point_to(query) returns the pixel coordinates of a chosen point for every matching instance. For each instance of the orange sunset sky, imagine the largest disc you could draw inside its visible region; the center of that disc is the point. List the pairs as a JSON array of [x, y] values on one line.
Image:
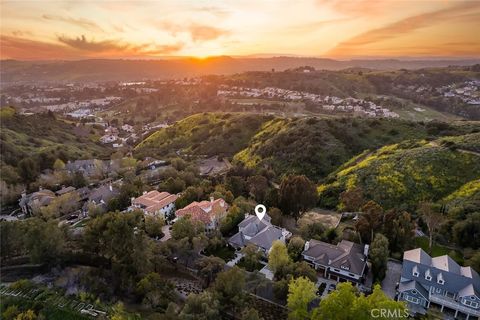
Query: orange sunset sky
[[40, 30]]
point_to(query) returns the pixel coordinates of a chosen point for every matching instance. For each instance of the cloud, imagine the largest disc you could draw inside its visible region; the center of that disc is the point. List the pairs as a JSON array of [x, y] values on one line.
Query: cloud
[[79, 48], [200, 32], [363, 8], [118, 47], [80, 22], [25, 49], [197, 32], [402, 27], [81, 43]]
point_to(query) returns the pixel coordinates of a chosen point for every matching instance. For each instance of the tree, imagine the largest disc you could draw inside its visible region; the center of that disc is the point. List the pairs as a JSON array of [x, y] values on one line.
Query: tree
[[229, 289], [379, 256], [276, 215], [154, 291], [301, 292], [27, 169], [258, 187], [45, 241], [295, 247], [153, 226], [209, 267], [297, 194], [474, 262], [185, 227], [251, 314], [399, 228], [312, 230], [202, 306], [58, 165], [233, 218], [466, 233], [251, 256], [352, 199], [432, 219], [370, 220], [278, 256], [61, 205]]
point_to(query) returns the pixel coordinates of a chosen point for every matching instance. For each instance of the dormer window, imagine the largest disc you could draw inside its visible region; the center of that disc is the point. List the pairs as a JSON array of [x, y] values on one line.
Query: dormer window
[[415, 271], [345, 267], [440, 279], [428, 275]]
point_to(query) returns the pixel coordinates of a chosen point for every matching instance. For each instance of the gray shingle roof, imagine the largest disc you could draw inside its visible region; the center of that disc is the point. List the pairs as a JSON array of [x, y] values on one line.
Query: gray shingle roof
[[346, 254], [413, 285]]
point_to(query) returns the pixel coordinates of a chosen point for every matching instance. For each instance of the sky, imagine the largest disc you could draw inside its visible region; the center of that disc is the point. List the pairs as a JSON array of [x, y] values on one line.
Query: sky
[[46, 30]]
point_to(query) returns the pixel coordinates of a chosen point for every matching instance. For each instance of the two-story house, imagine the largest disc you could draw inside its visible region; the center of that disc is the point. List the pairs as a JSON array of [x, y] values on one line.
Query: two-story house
[[346, 261], [209, 212], [440, 282], [154, 203], [260, 233]]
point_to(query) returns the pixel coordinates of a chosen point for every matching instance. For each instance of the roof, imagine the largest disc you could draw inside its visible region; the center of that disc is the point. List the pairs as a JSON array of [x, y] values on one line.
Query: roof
[[413, 285], [261, 233], [103, 194], [42, 197], [205, 211], [65, 190], [346, 254], [456, 278], [153, 201]]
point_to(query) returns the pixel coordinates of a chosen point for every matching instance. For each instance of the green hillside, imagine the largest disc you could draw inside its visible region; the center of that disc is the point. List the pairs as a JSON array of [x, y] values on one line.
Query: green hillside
[[404, 174], [317, 147], [44, 139], [203, 134]]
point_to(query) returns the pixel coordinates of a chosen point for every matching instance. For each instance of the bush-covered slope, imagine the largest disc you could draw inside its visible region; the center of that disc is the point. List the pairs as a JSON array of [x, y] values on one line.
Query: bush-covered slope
[[317, 147], [404, 174], [44, 138], [203, 134]]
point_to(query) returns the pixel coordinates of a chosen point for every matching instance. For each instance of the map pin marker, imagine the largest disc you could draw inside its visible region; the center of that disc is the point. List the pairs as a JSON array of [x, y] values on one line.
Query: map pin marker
[[260, 211]]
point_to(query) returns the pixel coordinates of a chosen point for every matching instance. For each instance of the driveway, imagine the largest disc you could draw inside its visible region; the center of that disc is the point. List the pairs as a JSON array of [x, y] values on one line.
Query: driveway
[[166, 233], [392, 277]]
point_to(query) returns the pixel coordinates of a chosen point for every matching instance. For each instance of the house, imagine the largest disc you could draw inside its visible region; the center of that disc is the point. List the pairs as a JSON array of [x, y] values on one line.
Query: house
[[260, 233], [439, 282], [346, 261], [154, 203], [65, 190], [208, 212], [100, 196], [89, 167], [29, 203]]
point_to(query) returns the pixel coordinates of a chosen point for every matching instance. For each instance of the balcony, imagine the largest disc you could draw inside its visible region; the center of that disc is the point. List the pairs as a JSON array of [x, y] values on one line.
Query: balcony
[[453, 304]]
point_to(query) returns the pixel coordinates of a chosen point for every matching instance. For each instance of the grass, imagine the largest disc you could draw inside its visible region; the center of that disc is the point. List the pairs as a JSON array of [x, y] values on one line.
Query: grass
[[227, 253], [438, 250]]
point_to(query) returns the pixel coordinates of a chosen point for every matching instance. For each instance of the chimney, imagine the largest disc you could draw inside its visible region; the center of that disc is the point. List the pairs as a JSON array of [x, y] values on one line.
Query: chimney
[[211, 199], [110, 187], [365, 250], [307, 245]]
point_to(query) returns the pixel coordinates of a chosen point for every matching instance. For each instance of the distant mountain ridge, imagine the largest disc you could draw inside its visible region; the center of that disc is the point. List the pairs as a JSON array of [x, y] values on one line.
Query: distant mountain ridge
[[98, 70]]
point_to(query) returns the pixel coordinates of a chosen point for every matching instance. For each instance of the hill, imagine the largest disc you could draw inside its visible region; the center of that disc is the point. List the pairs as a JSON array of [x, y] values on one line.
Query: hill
[[403, 174], [128, 70], [209, 134], [317, 147], [44, 138]]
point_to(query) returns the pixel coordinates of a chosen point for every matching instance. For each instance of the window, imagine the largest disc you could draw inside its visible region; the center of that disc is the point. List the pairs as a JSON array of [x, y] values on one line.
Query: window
[[441, 281], [469, 303], [439, 290], [415, 274], [428, 278], [414, 291], [412, 299]]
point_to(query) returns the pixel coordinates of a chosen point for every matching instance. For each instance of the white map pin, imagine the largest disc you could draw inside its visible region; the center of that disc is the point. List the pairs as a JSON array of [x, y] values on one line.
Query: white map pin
[[260, 211]]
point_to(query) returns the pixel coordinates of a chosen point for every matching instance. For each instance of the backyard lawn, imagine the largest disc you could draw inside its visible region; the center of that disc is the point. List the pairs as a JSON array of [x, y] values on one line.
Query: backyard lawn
[[438, 250]]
